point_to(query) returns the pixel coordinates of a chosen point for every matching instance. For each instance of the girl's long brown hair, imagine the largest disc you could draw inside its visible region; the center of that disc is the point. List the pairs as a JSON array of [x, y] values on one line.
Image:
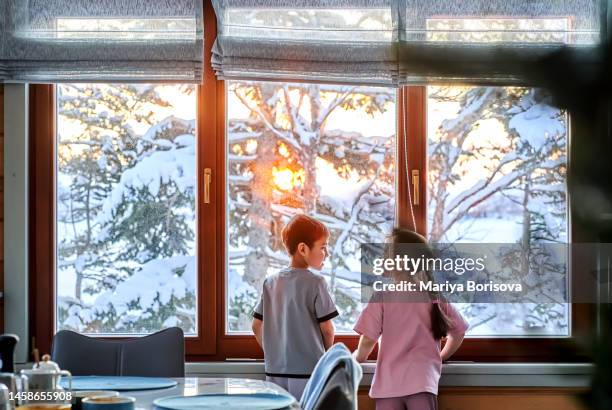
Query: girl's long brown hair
[[439, 320]]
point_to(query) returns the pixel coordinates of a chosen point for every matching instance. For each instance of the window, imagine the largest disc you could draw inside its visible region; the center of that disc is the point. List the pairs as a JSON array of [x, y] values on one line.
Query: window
[[273, 149], [122, 28], [270, 153], [126, 208], [324, 23], [133, 154], [505, 147], [503, 30], [326, 150], [497, 166]]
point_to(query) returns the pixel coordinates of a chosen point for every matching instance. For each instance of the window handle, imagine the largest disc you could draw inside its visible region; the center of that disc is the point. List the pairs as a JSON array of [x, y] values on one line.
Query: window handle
[[415, 187], [207, 178]]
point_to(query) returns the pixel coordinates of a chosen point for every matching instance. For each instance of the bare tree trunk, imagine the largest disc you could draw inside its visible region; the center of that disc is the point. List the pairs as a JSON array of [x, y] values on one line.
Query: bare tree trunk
[[311, 190], [79, 279], [526, 239], [78, 285], [86, 247], [259, 214], [309, 153], [437, 226]]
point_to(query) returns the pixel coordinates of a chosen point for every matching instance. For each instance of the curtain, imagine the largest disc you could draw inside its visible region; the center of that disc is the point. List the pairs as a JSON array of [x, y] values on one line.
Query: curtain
[[392, 42], [101, 40]]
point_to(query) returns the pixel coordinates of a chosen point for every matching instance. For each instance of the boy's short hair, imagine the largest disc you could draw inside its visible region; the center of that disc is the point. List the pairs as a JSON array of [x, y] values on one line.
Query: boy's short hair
[[302, 228]]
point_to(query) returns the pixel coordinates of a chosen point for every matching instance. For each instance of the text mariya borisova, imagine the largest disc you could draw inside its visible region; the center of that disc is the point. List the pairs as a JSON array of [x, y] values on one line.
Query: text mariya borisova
[[446, 287]]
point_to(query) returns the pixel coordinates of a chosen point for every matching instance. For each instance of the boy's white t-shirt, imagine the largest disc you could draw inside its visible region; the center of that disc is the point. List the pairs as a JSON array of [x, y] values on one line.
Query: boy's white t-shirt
[[292, 304]]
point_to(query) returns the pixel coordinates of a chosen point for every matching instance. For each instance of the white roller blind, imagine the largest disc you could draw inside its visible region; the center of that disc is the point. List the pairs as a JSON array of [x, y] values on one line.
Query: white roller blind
[[303, 40], [394, 41], [101, 40]]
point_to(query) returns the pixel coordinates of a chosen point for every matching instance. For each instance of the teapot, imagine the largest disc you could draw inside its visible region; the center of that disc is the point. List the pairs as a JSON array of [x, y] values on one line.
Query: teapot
[[45, 376]]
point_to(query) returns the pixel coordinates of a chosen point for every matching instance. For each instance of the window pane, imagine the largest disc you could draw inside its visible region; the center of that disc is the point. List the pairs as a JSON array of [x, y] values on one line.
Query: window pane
[[324, 150], [504, 22], [503, 30], [301, 23], [126, 214], [497, 174]]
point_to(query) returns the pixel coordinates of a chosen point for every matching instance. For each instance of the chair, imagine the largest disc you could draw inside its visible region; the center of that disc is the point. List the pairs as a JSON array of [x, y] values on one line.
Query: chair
[[161, 354], [334, 381], [8, 342], [338, 391]]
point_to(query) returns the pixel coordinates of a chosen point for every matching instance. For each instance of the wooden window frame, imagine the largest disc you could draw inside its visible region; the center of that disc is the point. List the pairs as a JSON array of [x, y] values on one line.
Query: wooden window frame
[[42, 111], [412, 101], [212, 342]]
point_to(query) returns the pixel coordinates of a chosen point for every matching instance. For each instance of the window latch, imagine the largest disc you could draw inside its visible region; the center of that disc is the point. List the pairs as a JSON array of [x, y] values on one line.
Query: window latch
[[415, 187], [207, 178]]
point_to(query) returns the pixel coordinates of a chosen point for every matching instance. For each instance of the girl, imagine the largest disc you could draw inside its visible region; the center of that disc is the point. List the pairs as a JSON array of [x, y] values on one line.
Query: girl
[[409, 357]]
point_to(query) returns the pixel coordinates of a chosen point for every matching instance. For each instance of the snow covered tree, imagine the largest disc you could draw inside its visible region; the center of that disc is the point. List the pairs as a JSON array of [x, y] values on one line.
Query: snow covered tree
[[90, 163], [514, 172], [275, 156], [126, 192], [126, 211]]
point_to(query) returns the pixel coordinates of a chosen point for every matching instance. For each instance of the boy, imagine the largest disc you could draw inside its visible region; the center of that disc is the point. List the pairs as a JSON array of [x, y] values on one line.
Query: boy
[[292, 321]]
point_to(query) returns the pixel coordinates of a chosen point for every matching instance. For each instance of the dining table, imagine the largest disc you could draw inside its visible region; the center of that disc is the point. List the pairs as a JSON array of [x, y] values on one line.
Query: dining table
[[192, 386]]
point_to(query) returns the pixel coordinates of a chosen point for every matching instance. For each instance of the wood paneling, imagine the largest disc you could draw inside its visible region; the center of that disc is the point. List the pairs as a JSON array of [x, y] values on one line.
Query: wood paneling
[[503, 398], [1, 206]]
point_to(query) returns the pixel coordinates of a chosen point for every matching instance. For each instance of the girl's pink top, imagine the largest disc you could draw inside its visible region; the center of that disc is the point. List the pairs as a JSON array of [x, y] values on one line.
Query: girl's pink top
[[408, 355]]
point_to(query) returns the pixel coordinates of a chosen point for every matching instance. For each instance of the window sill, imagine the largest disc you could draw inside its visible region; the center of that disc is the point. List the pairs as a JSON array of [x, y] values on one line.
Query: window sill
[[454, 374]]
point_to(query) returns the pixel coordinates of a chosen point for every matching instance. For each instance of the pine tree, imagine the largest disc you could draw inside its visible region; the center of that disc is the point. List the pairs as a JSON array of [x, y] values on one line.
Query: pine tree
[[129, 206]]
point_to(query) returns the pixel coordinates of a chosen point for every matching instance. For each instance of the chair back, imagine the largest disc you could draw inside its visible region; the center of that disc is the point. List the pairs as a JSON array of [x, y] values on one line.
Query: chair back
[[8, 342], [338, 391], [160, 354], [334, 381]]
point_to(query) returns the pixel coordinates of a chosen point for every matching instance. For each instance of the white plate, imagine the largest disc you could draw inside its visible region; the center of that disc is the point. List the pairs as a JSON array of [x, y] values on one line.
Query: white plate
[[258, 401]]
